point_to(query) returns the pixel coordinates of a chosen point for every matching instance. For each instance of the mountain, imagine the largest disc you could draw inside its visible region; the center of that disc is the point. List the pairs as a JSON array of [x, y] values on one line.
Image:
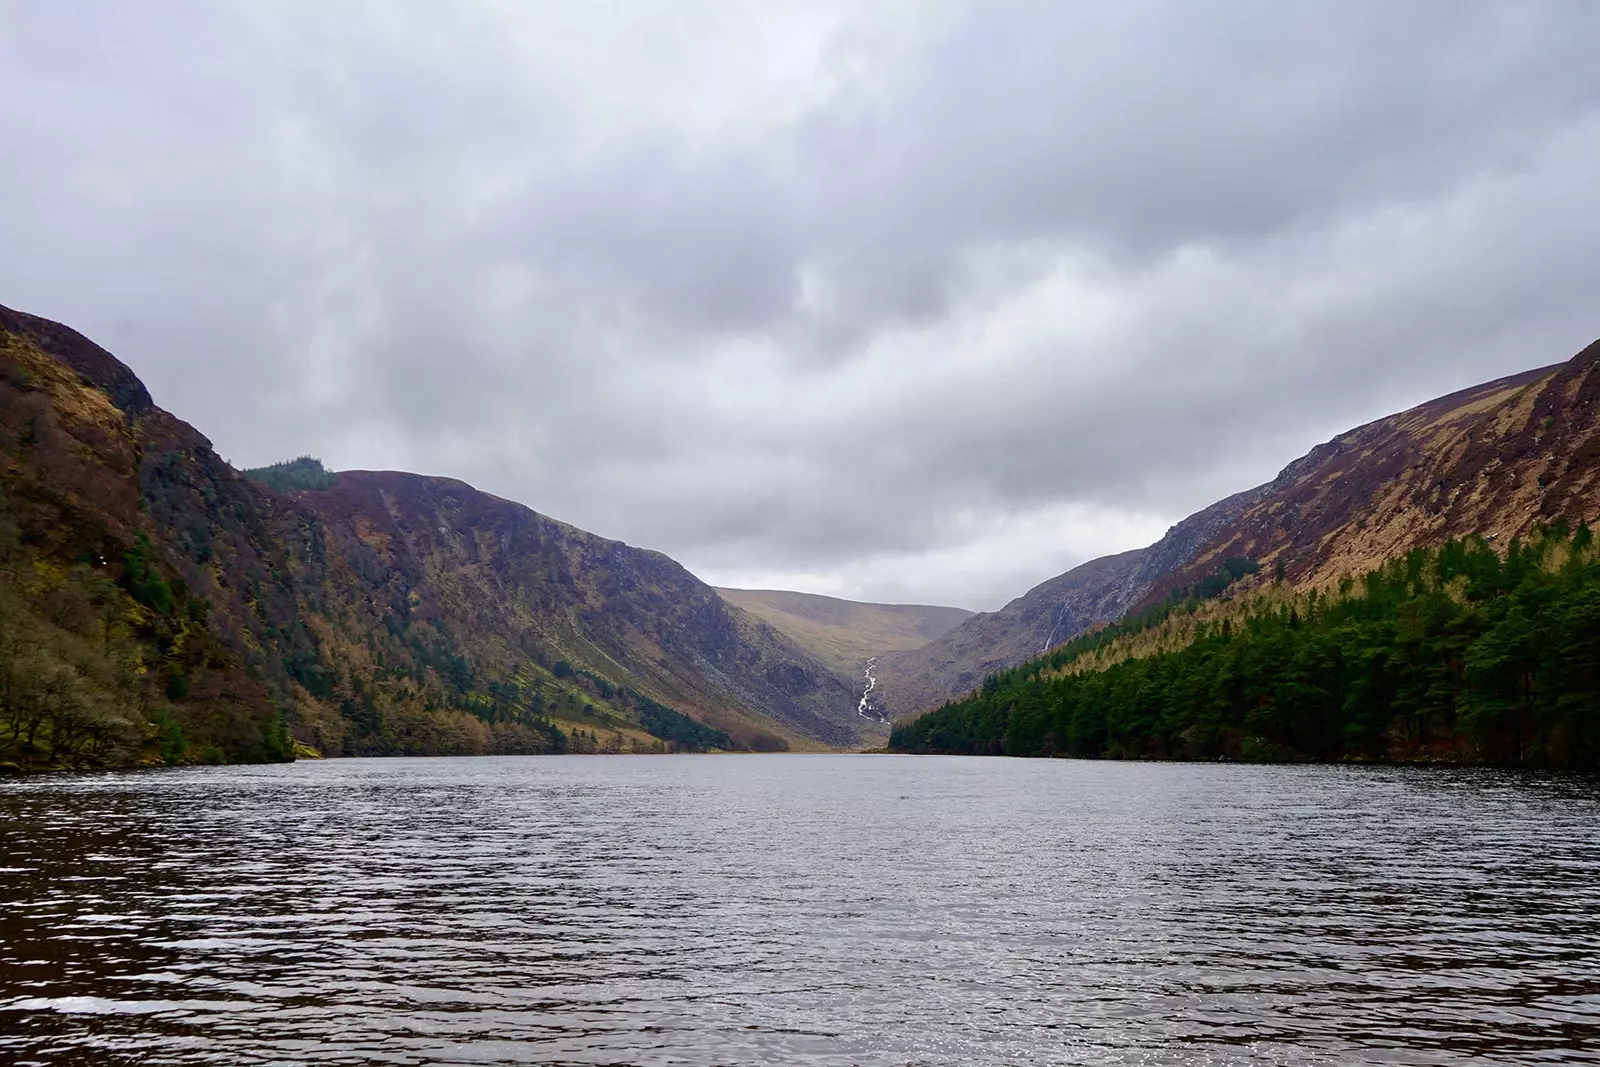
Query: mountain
[[1498, 460], [844, 633], [511, 586], [1449, 653], [1089, 595], [153, 598]]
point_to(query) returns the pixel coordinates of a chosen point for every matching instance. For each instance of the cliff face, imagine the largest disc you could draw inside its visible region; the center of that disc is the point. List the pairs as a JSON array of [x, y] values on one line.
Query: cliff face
[[1497, 459], [386, 613]]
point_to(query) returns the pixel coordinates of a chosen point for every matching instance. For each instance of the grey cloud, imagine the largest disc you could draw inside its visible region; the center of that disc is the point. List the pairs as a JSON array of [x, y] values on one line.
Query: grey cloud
[[970, 266]]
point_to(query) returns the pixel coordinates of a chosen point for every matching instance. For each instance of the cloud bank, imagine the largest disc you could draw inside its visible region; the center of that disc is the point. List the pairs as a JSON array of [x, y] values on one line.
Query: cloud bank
[[895, 301]]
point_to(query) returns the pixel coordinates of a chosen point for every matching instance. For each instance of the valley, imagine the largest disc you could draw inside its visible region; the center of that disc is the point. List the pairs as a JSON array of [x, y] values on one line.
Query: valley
[[161, 606]]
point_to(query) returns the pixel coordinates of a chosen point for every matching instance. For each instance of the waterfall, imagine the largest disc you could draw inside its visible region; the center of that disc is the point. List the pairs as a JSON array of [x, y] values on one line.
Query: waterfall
[[865, 708]]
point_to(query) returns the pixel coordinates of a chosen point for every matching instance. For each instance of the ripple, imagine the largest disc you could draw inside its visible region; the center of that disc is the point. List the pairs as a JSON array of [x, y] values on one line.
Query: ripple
[[797, 909]]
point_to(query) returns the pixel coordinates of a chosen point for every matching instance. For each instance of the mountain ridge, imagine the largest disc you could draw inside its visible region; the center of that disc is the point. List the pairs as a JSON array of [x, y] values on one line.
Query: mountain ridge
[[389, 612], [1099, 591], [395, 612], [1497, 458]]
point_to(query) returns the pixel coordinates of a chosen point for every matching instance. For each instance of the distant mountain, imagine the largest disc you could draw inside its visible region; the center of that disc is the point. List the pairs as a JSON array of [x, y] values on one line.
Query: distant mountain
[[1497, 460], [177, 607], [845, 633], [1096, 592]]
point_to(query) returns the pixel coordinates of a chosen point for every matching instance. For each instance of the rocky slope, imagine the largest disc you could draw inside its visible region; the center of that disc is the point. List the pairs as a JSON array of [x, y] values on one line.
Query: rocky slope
[[1496, 459], [385, 613], [845, 633]]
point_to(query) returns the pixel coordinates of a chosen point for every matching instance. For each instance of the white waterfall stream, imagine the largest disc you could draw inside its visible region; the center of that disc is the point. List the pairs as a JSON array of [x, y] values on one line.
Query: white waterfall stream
[[865, 708], [1050, 640]]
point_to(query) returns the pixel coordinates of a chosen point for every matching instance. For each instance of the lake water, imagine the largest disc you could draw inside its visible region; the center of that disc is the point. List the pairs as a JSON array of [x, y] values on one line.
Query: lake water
[[798, 910]]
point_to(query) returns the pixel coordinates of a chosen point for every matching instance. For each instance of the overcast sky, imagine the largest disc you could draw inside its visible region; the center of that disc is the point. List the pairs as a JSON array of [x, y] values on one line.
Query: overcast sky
[[892, 301]]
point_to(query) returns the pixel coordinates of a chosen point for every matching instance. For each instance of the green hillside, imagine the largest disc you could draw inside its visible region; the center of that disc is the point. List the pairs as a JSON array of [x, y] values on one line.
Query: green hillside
[[1453, 654]]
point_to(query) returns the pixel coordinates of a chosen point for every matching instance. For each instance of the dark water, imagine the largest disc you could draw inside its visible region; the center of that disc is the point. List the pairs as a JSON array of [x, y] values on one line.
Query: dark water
[[793, 909]]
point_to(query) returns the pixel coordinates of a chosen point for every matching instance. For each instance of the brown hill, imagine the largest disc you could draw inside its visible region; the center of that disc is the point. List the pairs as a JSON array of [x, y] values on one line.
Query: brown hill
[[845, 633], [1496, 459], [387, 613]]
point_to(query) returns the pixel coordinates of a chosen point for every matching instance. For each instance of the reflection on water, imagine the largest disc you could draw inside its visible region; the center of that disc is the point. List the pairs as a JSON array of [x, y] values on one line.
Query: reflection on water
[[796, 909]]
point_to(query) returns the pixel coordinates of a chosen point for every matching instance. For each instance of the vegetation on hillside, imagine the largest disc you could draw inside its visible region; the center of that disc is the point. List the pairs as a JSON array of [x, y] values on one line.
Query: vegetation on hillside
[[194, 613], [410, 692], [106, 663], [294, 475], [111, 662], [676, 727], [1184, 602], [843, 633], [1452, 653]]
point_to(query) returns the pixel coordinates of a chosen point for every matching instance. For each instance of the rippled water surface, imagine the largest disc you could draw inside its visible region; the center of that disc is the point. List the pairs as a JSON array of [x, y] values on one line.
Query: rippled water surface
[[798, 909]]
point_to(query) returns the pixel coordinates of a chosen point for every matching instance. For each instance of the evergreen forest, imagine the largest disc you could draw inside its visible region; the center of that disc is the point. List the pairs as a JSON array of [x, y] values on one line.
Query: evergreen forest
[[1456, 653], [294, 475]]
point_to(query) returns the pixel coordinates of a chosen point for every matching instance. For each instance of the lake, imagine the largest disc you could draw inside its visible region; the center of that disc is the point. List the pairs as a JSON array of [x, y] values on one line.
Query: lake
[[799, 910]]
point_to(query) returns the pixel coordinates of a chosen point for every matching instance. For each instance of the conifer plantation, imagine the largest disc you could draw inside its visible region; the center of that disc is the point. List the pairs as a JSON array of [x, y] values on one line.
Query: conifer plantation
[[1455, 653]]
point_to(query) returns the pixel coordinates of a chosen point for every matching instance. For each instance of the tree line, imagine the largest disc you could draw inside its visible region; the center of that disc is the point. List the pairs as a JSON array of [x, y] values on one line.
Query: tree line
[[293, 475], [1454, 653]]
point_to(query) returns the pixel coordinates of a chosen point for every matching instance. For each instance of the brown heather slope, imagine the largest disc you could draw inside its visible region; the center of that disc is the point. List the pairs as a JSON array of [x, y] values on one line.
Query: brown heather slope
[[845, 633], [390, 613], [1496, 459], [80, 443]]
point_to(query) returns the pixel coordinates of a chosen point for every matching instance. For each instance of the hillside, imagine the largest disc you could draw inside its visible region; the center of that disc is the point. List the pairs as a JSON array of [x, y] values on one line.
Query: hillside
[[845, 633], [159, 602], [1096, 592], [510, 587], [1497, 459], [1452, 653]]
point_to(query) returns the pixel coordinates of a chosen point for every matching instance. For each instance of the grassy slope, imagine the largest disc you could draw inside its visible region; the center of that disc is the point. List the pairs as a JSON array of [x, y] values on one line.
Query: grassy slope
[[846, 633], [1497, 459]]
